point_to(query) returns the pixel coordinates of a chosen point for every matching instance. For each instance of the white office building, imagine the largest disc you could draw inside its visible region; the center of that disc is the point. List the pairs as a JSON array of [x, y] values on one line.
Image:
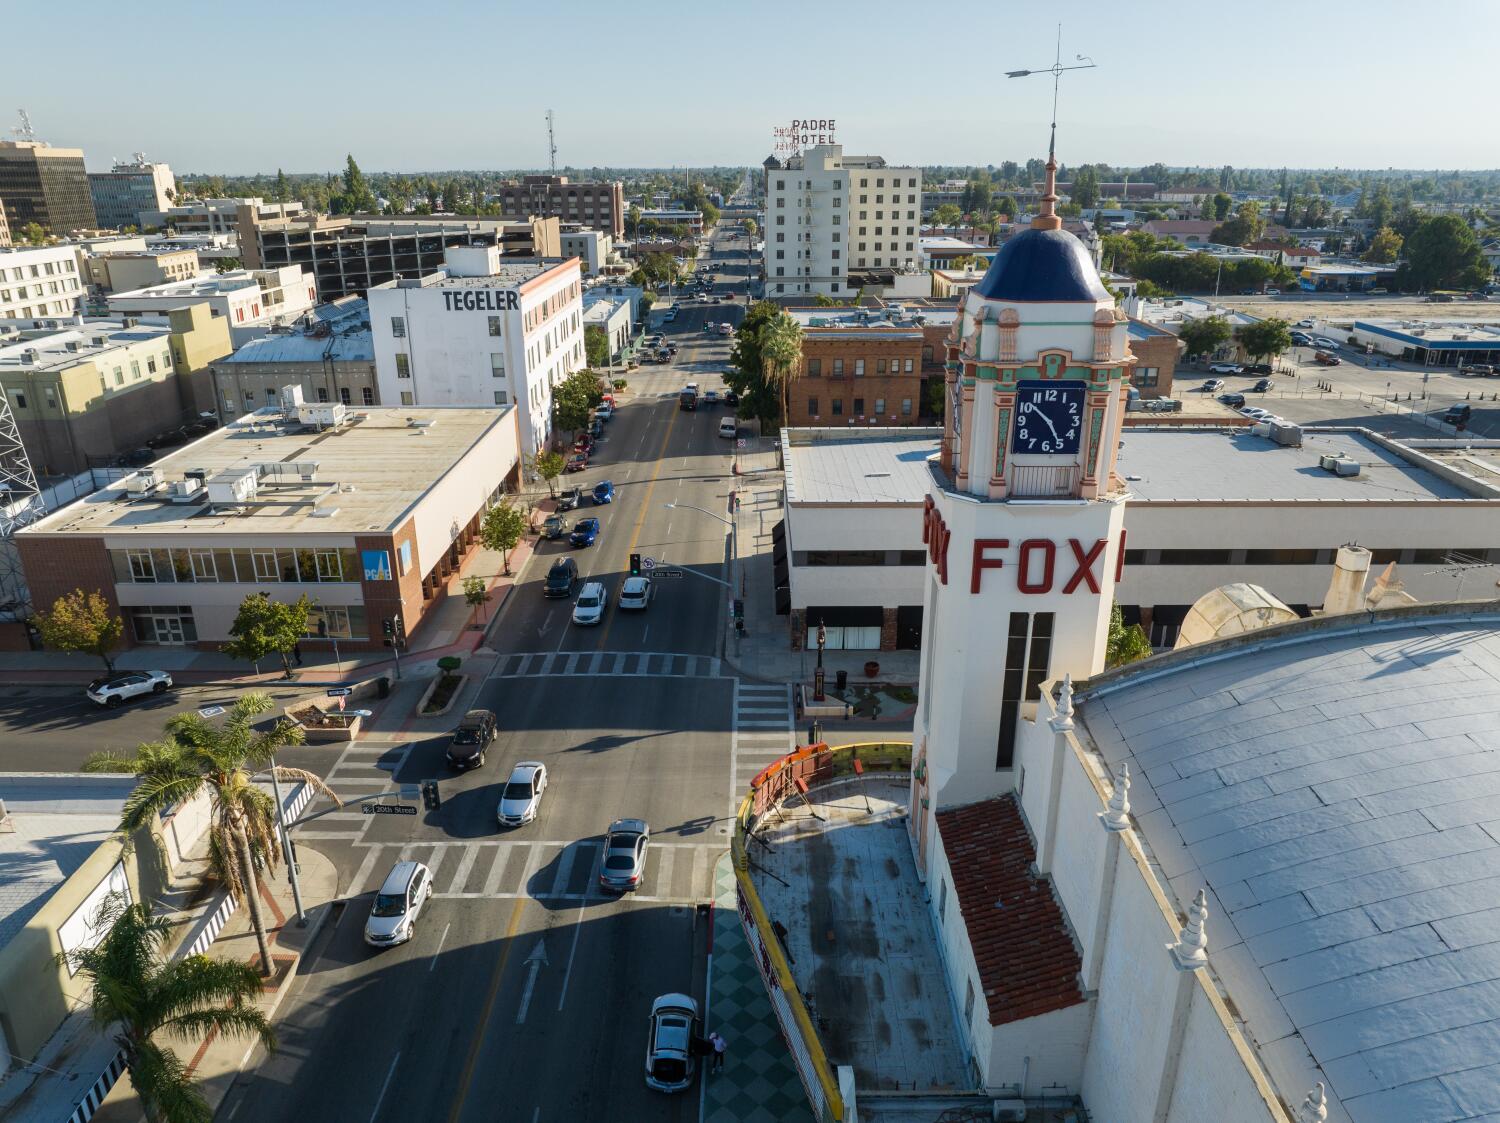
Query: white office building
[[592, 248], [216, 216], [252, 300], [39, 284], [828, 215], [482, 331]]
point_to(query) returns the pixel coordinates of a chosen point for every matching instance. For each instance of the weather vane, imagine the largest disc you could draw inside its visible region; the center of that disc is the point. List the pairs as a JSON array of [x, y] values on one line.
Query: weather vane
[[1057, 70]]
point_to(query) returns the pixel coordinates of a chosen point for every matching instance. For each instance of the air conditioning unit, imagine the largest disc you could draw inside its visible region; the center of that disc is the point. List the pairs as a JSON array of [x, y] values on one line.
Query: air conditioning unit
[[143, 482], [1288, 436], [187, 490]]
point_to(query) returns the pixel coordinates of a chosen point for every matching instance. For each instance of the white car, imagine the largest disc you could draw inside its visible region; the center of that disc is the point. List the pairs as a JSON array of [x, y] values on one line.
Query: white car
[[1255, 412], [604, 411], [1306, 324], [591, 602], [1325, 343], [521, 797], [393, 915], [635, 593], [114, 689]]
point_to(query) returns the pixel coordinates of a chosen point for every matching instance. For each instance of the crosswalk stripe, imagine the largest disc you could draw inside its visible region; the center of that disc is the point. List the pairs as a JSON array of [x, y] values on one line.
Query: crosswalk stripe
[[362, 874], [465, 864], [497, 871]]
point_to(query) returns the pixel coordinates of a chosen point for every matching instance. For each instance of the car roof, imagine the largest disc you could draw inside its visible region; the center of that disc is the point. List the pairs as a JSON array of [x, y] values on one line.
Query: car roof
[[477, 716], [399, 878], [525, 770], [563, 563], [675, 1001], [635, 585], [591, 588], [629, 826]]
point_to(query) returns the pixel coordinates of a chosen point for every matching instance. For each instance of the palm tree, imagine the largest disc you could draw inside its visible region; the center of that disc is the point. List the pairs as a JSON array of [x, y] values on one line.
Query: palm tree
[[141, 993], [780, 349], [223, 757]]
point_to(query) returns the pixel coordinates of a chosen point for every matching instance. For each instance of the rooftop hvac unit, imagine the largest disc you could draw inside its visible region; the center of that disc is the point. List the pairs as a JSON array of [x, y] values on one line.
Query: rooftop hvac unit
[[291, 398], [1288, 436], [321, 415], [1339, 465], [229, 489], [188, 490], [143, 482]]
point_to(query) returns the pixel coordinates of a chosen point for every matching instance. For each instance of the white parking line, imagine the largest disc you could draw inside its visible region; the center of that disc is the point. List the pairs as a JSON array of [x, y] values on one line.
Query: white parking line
[[381, 1098]]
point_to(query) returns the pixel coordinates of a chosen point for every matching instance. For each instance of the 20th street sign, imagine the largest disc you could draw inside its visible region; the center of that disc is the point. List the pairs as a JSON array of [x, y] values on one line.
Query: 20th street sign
[[388, 809]]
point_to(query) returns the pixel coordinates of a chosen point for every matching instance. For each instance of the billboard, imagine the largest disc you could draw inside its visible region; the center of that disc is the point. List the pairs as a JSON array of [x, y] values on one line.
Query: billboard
[[376, 564]]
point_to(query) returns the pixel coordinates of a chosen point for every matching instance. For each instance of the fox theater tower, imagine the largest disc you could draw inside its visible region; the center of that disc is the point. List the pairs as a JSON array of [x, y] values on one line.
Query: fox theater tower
[[1023, 519]]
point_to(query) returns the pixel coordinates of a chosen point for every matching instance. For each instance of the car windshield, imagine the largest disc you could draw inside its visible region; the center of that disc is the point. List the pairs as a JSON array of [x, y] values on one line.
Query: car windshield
[[588, 602], [517, 790], [389, 904], [558, 573], [620, 861], [466, 736]]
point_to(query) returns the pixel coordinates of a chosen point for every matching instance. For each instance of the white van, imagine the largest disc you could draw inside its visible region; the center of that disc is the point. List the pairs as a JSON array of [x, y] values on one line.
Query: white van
[[727, 428]]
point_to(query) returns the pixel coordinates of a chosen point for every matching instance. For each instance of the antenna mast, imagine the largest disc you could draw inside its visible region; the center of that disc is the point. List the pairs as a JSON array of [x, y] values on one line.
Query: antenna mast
[[551, 143], [20, 506], [25, 132]]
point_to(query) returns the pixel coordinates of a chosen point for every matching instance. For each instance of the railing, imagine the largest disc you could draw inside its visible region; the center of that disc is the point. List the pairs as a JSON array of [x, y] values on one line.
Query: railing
[[1037, 481]]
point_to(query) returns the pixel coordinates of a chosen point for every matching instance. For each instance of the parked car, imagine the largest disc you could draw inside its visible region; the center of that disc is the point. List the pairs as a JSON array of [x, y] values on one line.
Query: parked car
[[624, 855], [604, 492], [1324, 342], [554, 527], [731, 398], [1301, 339], [1273, 292], [1235, 400], [1325, 359], [1307, 323], [560, 578], [114, 690], [1226, 368], [577, 462], [1257, 368], [604, 411], [584, 442], [476, 729], [585, 532], [596, 428], [670, 1033], [521, 798], [1262, 386], [570, 499], [1255, 412], [635, 594], [592, 600], [394, 912], [1211, 385], [1457, 414]]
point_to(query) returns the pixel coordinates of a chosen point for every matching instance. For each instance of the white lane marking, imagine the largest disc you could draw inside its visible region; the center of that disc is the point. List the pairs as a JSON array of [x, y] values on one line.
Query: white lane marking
[[381, 1098], [356, 884], [568, 971], [465, 864], [439, 949], [497, 871], [535, 961]]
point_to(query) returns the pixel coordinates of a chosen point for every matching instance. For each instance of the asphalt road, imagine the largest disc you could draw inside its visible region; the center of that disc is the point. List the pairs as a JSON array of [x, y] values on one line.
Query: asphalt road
[[525, 991]]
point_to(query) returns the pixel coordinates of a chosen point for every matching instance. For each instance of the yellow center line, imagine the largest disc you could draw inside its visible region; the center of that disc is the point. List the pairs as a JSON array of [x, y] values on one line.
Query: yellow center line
[[489, 1007], [640, 521]]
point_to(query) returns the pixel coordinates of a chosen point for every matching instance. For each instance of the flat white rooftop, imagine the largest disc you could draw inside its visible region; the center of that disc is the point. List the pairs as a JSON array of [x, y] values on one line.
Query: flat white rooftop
[[382, 462], [831, 466], [71, 346]]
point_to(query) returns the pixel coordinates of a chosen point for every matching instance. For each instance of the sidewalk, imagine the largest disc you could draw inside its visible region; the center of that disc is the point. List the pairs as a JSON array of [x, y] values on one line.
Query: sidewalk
[[448, 630], [759, 1083], [765, 650]]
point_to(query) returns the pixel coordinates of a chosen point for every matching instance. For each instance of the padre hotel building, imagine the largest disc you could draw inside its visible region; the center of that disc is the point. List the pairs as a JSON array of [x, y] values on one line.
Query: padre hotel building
[[1252, 879]]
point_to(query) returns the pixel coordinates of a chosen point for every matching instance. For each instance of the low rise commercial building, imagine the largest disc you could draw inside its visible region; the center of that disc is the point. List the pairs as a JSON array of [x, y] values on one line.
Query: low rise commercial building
[[350, 254], [128, 190], [1437, 343], [675, 216], [87, 394], [1155, 350], [858, 375], [597, 205], [1333, 277], [216, 216], [45, 185], [366, 512], [39, 283], [249, 300], [592, 248], [330, 358], [127, 270], [611, 315], [481, 331]]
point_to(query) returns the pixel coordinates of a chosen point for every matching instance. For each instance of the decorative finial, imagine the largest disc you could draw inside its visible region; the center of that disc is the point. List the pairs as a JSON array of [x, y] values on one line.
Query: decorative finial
[[1063, 720], [1314, 1109], [1117, 816], [1047, 218], [1190, 952]]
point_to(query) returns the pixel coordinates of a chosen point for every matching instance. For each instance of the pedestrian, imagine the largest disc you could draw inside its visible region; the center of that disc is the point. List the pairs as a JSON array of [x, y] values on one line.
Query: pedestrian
[[297, 653], [720, 1045]]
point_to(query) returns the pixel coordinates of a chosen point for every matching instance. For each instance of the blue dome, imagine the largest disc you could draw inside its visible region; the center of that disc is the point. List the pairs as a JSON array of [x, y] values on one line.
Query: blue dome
[[1043, 265]]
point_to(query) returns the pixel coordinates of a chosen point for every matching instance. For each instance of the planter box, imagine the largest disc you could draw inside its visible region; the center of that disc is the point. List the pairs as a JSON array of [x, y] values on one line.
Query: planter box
[[453, 698], [326, 734]]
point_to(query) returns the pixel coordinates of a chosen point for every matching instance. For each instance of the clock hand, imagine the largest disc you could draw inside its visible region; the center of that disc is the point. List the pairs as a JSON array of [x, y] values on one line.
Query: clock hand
[[1051, 426]]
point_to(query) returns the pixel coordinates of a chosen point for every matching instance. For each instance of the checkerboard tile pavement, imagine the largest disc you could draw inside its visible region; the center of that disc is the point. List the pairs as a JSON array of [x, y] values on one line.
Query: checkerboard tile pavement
[[759, 1083]]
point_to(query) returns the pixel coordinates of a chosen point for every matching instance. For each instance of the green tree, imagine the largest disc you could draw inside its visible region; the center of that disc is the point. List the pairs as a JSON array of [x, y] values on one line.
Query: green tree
[[80, 621], [573, 398], [33, 234], [140, 994], [263, 626], [1264, 339], [947, 215], [751, 229], [1442, 253], [1124, 645], [356, 197], [746, 374], [596, 346], [549, 465], [1384, 247], [501, 529], [476, 593], [1008, 207], [1205, 336], [780, 354], [1085, 188], [1221, 205], [710, 215], [197, 754], [283, 188], [1246, 226], [226, 265], [633, 221]]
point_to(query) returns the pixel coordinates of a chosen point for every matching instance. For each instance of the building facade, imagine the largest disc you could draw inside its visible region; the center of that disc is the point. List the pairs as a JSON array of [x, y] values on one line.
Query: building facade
[[249, 300], [331, 359], [370, 525], [480, 332], [858, 376], [85, 395], [599, 206], [45, 185], [611, 315], [216, 216], [348, 255], [125, 192], [40, 284], [828, 214], [1155, 350], [592, 248], [127, 270]]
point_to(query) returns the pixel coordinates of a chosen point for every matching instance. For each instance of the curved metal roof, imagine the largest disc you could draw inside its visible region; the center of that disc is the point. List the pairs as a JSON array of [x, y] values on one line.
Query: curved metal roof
[[1044, 266]]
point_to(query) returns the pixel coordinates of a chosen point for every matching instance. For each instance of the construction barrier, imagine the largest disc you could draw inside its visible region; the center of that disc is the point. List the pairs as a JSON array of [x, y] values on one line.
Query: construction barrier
[[799, 771]]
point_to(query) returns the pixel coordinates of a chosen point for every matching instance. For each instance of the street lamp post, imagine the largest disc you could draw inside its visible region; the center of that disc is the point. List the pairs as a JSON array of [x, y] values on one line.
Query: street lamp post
[[736, 572], [818, 674], [286, 846]]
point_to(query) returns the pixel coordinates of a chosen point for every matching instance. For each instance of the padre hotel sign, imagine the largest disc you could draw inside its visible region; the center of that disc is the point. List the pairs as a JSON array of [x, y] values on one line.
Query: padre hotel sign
[[482, 300], [802, 132]]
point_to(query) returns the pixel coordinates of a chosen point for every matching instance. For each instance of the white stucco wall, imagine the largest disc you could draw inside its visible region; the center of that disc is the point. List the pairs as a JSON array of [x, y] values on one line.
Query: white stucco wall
[[452, 501]]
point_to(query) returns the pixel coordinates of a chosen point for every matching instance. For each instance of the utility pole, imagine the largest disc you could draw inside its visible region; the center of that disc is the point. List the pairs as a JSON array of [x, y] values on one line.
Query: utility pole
[[551, 143]]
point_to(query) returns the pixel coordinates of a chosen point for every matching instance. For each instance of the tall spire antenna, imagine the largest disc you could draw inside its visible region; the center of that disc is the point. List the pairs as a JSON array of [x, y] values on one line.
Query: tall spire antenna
[[551, 143], [1047, 218]]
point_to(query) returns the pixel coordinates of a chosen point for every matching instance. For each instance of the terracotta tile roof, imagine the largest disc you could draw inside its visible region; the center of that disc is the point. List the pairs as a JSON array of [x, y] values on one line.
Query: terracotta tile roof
[[1028, 963]]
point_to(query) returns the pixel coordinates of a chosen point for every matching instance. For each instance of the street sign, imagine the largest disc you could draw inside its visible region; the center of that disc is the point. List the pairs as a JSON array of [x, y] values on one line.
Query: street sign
[[340, 691], [739, 442], [648, 563], [667, 573], [389, 809]]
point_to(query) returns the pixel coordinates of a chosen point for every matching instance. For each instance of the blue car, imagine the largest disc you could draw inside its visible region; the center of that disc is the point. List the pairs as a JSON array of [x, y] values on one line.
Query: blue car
[[604, 493], [585, 532]]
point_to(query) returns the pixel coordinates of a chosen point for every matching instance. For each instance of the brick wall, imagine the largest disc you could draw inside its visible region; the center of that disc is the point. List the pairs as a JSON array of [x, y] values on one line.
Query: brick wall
[[1159, 351], [55, 567], [830, 398]]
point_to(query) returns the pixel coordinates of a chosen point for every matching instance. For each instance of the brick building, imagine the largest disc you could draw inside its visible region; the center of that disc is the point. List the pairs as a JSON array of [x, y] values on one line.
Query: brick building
[[858, 376], [599, 206], [1155, 350]]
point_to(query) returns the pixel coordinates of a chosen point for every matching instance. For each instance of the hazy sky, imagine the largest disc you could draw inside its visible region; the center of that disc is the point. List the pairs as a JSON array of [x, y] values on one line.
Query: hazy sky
[[462, 84]]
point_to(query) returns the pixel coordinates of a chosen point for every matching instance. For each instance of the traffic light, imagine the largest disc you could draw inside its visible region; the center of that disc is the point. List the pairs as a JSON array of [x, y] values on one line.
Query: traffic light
[[635, 565], [400, 632], [390, 631], [431, 798]]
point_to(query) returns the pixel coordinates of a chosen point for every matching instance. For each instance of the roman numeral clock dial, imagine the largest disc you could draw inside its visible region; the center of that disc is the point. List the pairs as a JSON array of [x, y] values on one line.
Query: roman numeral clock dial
[[1049, 417]]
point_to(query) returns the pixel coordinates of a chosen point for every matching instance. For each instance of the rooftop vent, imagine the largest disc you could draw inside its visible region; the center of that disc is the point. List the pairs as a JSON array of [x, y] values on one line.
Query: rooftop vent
[[1339, 465], [143, 482]]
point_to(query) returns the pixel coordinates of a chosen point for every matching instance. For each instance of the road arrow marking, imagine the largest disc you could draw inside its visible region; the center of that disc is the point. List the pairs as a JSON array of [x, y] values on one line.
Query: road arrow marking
[[535, 961]]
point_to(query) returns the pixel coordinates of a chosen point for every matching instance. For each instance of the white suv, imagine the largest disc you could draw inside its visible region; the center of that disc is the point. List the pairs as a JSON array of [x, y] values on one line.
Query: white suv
[[393, 915], [592, 600], [117, 688]]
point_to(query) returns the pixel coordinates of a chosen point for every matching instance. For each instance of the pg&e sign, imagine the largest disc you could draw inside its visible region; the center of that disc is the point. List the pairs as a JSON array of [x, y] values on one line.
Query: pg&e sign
[[482, 300], [1040, 563]]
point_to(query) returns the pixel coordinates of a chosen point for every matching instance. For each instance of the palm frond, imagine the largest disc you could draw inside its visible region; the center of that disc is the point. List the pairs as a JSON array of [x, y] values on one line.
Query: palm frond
[[162, 1081], [233, 1021], [154, 793], [196, 994], [303, 776]]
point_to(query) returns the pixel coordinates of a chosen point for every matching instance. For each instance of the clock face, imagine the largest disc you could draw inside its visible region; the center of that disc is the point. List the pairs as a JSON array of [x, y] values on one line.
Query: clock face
[[1049, 417]]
